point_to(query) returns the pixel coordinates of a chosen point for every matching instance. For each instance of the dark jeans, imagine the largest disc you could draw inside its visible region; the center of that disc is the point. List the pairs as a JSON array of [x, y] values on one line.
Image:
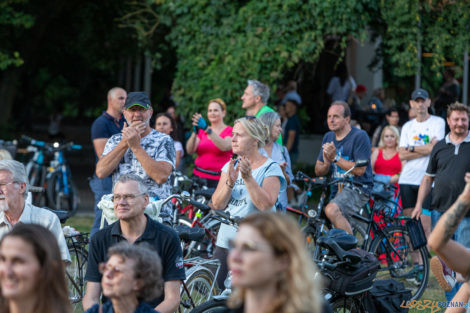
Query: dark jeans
[[221, 255], [100, 187]]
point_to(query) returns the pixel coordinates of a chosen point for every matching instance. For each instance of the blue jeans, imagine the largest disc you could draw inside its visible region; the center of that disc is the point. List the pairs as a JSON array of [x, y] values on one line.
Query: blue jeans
[[100, 187], [462, 236]]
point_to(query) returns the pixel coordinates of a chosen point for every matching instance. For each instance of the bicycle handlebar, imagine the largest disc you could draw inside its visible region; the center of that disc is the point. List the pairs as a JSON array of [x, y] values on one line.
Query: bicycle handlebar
[[225, 218]]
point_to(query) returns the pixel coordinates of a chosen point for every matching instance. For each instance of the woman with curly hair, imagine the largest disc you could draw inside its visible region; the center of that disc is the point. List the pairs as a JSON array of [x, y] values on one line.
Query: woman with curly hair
[[131, 276], [32, 273], [271, 268]]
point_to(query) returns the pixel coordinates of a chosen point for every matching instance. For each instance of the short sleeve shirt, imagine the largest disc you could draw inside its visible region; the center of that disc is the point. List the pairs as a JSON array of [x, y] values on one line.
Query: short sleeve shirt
[[105, 126], [293, 123], [416, 133], [240, 204], [162, 238], [34, 215], [448, 164], [159, 147], [354, 147]]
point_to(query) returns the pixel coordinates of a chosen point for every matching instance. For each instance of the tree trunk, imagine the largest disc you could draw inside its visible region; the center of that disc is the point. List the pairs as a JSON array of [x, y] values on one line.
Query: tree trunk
[[148, 75]]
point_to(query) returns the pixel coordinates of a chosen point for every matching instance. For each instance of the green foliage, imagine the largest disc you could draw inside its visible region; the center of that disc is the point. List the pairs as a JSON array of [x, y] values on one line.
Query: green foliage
[[12, 18], [222, 44]]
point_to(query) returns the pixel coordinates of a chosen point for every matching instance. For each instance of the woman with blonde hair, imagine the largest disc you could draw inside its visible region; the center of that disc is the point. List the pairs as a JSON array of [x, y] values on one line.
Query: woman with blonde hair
[[248, 184], [385, 161], [211, 142], [271, 269]]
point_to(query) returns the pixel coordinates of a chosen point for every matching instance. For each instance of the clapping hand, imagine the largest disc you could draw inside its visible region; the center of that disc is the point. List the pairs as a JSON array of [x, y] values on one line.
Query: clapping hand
[[131, 134], [329, 151], [245, 167]]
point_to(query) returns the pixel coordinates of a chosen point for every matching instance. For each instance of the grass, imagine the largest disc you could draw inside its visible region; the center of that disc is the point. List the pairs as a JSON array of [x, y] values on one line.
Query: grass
[[81, 223]]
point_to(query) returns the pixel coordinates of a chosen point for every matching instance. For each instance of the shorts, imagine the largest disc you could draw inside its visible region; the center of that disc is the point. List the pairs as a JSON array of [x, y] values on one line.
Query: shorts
[[409, 195], [350, 200]]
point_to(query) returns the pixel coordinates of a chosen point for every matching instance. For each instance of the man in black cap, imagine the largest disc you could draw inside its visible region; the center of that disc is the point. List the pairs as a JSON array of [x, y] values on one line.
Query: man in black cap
[[141, 150], [417, 139]]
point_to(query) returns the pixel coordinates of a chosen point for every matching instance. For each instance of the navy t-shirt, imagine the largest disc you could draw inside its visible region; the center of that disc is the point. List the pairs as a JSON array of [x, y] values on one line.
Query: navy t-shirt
[[105, 126], [355, 146], [293, 123]]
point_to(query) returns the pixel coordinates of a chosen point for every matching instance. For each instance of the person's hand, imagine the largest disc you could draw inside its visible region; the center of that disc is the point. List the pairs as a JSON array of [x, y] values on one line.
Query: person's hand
[[131, 135], [140, 126], [232, 172], [329, 151], [283, 165], [195, 118], [466, 190], [245, 168], [416, 213]]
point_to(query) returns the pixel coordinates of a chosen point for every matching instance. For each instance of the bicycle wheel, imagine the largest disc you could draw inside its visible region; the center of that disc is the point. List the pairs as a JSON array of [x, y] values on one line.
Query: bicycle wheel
[[359, 231], [35, 178], [75, 273], [394, 251], [197, 288], [212, 306], [55, 193], [345, 305]]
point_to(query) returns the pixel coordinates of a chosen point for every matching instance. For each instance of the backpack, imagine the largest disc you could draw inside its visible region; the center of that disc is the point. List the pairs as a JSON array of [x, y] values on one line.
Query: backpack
[[388, 295], [350, 280]]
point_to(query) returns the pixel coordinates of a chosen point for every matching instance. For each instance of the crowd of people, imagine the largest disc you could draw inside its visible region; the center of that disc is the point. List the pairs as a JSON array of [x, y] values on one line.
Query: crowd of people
[[136, 263]]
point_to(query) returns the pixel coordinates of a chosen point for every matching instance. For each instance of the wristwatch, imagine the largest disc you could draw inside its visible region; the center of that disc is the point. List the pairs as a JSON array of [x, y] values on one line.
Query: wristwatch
[[411, 149], [337, 157], [209, 131]]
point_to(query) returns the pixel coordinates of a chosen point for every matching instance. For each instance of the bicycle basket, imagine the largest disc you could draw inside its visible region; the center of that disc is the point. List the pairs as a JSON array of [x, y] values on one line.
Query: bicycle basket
[[349, 280]]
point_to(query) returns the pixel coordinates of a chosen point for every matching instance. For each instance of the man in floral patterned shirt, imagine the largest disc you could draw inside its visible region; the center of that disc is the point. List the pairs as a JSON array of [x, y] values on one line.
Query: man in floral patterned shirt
[[141, 150]]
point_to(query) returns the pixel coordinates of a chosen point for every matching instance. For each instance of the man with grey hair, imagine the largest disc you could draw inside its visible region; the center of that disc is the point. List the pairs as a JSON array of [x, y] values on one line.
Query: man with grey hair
[[255, 99], [130, 197], [14, 209]]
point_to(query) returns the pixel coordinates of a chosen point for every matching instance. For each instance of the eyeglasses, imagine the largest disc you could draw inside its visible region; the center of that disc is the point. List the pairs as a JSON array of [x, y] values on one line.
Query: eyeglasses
[[127, 197], [247, 247], [250, 117], [113, 270], [4, 186]]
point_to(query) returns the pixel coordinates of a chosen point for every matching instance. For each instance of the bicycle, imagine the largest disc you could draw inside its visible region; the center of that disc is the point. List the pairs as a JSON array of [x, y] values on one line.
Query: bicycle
[[77, 243], [56, 179]]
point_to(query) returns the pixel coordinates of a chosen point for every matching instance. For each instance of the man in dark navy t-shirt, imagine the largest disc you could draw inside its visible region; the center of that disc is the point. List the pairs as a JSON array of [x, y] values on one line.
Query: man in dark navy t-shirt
[[342, 146], [106, 125], [130, 197]]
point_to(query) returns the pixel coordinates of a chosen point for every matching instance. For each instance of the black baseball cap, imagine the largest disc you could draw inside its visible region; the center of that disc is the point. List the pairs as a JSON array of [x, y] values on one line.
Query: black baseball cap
[[419, 93], [137, 98]]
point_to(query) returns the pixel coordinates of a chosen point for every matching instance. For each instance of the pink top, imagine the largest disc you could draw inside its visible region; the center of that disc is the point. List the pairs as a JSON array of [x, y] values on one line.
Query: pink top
[[209, 157]]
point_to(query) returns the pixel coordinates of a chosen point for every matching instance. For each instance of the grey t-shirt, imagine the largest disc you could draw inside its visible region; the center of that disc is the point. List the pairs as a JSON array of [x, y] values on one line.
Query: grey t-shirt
[[240, 204]]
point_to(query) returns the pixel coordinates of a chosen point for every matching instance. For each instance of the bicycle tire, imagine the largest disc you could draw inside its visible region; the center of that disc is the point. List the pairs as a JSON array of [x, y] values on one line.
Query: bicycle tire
[[54, 194], [359, 231], [75, 274], [198, 283], [35, 178], [212, 306], [345, 305], [399, 266]]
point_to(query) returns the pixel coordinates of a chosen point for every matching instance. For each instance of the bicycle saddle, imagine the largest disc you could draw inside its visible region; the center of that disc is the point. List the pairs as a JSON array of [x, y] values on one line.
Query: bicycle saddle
[[187, 233], [344, 240], [206, 193], [61, 214]]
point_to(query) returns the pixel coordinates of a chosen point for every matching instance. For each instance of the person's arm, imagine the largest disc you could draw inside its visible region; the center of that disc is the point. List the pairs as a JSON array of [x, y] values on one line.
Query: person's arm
[[423, 191], [462, 296], [223, 192], [263, 197], [192, 143], [347, 165], [373, 159], [455, 255], [108, 163], [172, 297], [99, 144], [92, 295], [178, 158], [224, 144], [290, 139]]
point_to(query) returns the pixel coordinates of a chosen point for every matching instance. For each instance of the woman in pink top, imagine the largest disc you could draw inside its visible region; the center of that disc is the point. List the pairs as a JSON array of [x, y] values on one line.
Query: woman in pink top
[[212, 143]]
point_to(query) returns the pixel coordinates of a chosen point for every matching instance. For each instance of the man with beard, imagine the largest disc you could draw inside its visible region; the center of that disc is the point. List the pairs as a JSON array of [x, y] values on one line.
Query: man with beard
[[14, 208], [141, 150], [448, 163]]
